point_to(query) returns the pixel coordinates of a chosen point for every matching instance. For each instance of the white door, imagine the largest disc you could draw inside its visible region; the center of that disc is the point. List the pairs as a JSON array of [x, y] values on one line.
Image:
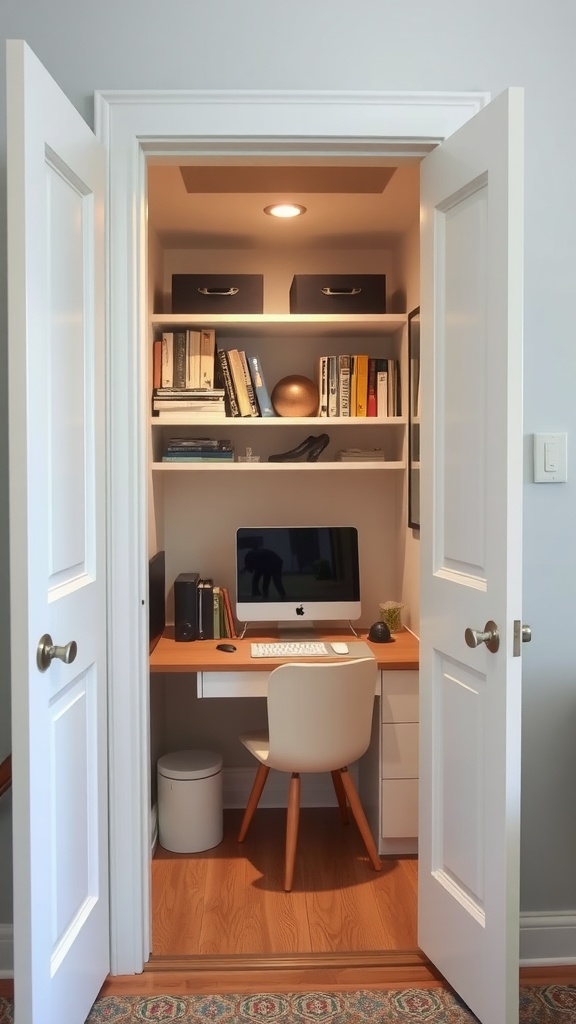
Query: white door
[[471, 353], [57, 503]]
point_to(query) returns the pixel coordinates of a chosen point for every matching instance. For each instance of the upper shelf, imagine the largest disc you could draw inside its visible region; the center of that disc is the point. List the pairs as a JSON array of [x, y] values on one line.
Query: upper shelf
[[283, 324]]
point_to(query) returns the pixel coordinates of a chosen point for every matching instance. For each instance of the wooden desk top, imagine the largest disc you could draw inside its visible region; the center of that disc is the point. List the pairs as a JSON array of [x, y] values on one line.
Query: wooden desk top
[[202, 656]]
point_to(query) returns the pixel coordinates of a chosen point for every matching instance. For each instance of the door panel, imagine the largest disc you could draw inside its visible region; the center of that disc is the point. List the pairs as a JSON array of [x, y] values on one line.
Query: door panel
[[58, 581], [471, 556]]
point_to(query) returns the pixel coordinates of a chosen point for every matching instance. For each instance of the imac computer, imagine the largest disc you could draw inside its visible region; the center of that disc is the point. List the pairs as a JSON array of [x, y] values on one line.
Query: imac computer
[[297, 576]]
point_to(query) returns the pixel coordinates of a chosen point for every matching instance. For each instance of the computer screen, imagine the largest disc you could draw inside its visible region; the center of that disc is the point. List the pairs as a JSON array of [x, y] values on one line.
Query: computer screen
[[297, 575]]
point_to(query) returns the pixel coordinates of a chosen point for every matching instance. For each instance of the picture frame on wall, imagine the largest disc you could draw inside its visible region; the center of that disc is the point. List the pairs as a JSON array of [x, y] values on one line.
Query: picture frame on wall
[[414, 418]]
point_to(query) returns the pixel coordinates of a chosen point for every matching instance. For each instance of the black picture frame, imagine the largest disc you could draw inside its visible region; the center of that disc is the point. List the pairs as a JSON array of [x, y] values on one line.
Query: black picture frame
[[414, 418]]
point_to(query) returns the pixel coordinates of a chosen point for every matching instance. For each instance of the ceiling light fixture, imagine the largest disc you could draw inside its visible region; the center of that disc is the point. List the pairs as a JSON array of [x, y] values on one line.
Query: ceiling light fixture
[[285, 210]]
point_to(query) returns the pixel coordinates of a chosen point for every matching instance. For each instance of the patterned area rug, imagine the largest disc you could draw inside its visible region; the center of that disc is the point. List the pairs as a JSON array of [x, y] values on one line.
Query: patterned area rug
[[552, 1004]]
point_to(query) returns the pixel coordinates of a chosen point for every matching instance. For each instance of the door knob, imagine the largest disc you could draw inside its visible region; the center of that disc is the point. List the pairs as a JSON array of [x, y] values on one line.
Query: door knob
[[47, 651], [489, 636]]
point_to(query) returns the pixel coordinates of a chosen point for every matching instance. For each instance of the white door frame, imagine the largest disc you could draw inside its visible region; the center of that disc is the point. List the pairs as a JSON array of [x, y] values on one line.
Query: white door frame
[[133, 126]]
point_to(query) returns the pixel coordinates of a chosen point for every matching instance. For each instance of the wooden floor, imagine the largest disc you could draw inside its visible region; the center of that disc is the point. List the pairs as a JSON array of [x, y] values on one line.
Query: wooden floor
[[230, 900], [222, 922]]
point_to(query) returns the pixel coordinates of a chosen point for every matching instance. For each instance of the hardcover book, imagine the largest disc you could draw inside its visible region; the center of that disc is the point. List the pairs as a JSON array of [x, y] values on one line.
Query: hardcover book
[[237, 372], [232, 408], [249, 386], [361, 385], [260, 388]]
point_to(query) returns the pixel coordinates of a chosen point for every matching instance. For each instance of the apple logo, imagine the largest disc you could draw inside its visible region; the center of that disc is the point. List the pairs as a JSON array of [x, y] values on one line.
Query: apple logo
[[300, 610]]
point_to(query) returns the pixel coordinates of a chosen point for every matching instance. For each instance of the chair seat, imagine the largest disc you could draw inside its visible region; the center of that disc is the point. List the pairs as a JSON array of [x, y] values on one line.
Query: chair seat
[[258, 743]]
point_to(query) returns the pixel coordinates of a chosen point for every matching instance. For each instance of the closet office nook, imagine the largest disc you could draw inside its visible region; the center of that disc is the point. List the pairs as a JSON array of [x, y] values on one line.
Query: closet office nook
[[207, 218]]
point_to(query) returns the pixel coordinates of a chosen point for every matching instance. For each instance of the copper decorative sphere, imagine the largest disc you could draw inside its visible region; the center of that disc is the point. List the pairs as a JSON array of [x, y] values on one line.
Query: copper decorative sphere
[[295, 396]]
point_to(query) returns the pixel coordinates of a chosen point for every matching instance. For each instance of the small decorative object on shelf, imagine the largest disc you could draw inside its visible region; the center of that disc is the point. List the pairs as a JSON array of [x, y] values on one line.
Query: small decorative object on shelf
[[295, 396], [379, 633], [308, 451], [248, 457], [391, 614]]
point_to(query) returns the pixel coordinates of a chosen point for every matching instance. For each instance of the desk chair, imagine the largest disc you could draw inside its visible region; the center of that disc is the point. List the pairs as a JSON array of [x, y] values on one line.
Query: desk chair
[[319, 720]]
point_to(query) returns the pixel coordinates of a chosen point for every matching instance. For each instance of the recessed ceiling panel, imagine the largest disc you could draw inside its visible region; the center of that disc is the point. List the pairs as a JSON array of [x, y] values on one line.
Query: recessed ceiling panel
[[289, 180]]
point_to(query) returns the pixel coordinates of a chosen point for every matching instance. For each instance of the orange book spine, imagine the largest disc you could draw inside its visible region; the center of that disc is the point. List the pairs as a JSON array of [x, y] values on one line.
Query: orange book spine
[[228, 610], [157, 364], [361, 385]]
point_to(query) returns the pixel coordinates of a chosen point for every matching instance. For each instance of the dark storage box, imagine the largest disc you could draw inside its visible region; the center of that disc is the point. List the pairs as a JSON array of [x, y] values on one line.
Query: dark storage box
[[338, 293], [217, 293]]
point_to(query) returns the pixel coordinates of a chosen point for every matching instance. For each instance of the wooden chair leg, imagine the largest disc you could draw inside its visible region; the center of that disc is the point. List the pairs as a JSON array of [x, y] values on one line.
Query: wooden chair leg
[[256, 793], [360, 818], [292, 818], [340, 796]]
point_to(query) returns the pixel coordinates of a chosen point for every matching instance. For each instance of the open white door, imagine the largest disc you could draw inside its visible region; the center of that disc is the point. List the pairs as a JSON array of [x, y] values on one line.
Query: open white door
[[57, 568], [471, 357]]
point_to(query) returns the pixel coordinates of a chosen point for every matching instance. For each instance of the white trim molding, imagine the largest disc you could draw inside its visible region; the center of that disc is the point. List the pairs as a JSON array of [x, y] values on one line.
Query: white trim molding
[[548, 939], [133, 126]]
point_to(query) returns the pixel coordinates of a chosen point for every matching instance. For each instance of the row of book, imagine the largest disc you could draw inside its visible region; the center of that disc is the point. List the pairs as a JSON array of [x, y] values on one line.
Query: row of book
[[193, 377], [359, 385], [198, 449], [212, 610]]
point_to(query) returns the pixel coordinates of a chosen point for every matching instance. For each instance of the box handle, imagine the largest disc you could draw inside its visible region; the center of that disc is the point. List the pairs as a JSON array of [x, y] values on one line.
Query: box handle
[[341, 291], [218, 291]]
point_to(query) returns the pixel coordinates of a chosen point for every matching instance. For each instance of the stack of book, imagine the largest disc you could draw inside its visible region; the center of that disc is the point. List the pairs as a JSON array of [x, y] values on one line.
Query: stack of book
[[359, 385], [198, 449], [360, 455], [192, 377], [189, 404]]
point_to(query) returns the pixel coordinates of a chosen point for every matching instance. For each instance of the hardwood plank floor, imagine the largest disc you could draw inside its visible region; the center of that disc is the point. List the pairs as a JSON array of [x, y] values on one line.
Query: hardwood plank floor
[[230, 901]]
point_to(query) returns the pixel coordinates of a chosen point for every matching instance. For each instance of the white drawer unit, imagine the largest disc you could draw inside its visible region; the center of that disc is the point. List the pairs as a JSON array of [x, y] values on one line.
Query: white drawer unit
[[399, 810], [399, 758], [232, 684], [399, 762]]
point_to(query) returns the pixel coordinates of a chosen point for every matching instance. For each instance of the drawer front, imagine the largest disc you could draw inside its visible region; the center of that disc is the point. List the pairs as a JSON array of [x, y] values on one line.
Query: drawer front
[[400, 751], [399, 817], [232, 684], [400, 697]]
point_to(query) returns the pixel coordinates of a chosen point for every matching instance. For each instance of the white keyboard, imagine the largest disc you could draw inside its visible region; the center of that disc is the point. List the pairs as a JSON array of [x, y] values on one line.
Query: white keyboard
[[289, 649]]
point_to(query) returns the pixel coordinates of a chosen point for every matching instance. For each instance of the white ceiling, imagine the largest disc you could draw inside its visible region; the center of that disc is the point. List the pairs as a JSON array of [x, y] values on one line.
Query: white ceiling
[[230, 219]]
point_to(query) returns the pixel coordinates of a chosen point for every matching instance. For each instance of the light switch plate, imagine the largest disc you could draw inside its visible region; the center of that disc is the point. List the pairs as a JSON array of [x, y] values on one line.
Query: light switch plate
[[550, 458]]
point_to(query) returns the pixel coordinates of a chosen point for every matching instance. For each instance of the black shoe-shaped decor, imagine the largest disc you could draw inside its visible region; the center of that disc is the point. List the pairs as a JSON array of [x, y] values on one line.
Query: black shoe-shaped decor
[[308, 451]]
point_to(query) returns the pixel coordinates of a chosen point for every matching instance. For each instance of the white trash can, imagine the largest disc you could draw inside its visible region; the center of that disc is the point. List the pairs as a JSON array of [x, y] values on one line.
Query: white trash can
[[190, 815]]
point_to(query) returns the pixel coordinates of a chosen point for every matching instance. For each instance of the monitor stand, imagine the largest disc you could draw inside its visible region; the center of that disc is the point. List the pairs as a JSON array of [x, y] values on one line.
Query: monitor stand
[[297, 631], [308, 631]]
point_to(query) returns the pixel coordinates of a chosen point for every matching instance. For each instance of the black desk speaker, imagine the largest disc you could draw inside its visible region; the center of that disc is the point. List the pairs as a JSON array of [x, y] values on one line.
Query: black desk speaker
[[156, 597], [186, 606]]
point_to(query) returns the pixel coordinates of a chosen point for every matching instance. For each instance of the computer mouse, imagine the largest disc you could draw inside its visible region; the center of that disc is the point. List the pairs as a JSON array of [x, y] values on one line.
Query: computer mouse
[[229, 648], [339, 648]]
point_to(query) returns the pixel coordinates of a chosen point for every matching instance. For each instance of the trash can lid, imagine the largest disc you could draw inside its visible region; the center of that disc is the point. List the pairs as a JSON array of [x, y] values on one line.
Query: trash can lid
[[189, 764]]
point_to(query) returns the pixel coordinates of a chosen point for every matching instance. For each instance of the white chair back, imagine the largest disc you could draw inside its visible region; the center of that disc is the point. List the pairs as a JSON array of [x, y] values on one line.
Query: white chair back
[[320, 715]]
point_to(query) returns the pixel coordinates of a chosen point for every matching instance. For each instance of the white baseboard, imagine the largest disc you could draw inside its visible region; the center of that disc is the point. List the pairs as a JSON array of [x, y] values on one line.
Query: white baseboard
[[317, 789], [6, 951], [548, 940]]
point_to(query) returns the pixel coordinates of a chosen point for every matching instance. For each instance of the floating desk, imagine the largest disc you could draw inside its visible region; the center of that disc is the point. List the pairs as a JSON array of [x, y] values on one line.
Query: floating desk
[[201, 655]]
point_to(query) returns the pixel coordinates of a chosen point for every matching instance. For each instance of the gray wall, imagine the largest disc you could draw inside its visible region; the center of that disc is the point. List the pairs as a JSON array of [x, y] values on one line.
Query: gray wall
[[376, 44]]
